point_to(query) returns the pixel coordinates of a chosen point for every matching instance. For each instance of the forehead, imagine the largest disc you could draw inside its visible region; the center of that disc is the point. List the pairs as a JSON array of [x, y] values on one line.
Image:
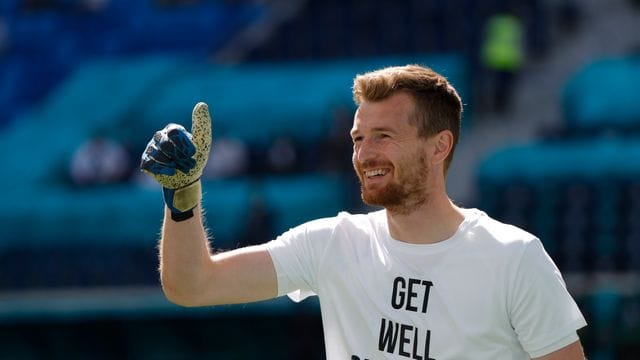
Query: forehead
[[393, 112]]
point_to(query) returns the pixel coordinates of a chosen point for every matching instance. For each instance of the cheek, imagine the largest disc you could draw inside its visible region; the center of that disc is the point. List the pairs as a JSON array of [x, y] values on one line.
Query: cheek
[[354, 162], [354, 156]]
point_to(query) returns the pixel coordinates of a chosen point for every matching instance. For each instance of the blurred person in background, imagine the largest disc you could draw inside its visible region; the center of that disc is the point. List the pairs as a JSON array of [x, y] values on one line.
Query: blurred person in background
[[333, 150], [502, 57], [282, 155], [100, 160], [422, 278], [230, 159]]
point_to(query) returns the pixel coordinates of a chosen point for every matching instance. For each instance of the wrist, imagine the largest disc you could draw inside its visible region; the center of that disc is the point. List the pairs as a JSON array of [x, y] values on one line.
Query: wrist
[[182, 201], [181, 216]]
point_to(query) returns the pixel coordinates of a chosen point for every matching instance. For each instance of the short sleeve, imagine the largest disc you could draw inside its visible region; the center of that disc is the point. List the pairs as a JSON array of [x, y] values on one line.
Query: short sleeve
[[295, 255], [542, 312]]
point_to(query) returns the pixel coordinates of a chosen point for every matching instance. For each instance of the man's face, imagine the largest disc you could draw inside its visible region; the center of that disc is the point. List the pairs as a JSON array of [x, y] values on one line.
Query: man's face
[[388, 156]]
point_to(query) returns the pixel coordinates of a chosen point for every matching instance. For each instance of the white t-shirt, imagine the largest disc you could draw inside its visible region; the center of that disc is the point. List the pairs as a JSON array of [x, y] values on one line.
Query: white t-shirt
[[488, 292]]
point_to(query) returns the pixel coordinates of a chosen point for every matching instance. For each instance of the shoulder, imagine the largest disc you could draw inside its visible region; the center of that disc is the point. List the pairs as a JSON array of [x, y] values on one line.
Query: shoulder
[[342, 223], [499, 233], [327, 237], [369, 222], [497, 239]]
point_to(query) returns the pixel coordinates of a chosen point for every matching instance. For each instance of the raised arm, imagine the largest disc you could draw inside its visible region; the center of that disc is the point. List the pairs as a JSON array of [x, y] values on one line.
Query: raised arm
[[190, 274]]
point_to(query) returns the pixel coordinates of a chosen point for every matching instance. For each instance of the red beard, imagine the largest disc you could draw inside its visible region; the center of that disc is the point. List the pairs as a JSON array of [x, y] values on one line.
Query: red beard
[[403, 193]]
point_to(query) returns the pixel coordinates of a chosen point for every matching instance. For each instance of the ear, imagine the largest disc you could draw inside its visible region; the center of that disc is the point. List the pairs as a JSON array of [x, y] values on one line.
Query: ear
[[442, 144]]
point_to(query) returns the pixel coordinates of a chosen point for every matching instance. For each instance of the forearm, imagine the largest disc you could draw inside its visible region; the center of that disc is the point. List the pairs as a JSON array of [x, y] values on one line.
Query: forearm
[[185, 256]]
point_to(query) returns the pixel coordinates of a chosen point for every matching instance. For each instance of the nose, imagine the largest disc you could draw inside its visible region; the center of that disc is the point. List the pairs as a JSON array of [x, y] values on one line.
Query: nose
[[363, 151]]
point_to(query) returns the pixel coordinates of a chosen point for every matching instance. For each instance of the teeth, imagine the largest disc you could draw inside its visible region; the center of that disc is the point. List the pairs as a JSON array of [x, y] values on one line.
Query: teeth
[[376, 172]]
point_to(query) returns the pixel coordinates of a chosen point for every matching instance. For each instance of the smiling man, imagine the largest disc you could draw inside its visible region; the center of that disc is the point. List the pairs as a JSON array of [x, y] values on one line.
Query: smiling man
[[419, 279]]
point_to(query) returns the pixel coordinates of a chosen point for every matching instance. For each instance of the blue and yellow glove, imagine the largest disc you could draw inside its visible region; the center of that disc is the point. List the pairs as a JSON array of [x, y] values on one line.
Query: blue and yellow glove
[[176, 158]]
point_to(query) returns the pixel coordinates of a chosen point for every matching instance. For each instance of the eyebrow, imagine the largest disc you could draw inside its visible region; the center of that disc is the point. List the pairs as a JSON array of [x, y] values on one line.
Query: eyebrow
[[383, 129], [376, 129]]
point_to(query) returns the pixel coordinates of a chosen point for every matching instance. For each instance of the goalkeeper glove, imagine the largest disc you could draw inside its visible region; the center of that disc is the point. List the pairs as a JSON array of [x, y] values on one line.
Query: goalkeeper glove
[[176, 158]]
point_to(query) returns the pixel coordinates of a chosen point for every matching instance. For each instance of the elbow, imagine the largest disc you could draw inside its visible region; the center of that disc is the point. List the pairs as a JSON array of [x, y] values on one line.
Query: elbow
[[180, 296], [177, 299]]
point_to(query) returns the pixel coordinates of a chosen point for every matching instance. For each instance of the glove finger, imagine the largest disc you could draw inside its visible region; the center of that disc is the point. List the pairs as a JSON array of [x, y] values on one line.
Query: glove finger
[[159, 148], [167, 153], [151, 165], [157, 136], [153, 151], [157, 169], [152, 154], [175, 142], [185, 165], [161, 158], [181, 139], [201, 132]]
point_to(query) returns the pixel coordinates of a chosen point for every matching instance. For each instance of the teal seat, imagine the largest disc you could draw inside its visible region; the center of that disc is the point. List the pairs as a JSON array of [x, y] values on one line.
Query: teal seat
[[111, 215], [591, 159], [297, 199], [605, 313], [604, 95], [227, 208]]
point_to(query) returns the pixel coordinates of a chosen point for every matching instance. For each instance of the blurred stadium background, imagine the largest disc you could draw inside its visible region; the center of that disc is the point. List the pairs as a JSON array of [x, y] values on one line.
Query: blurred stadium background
[[550, 143]]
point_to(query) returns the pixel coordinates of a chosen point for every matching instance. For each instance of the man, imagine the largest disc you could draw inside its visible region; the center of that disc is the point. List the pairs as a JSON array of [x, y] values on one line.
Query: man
[[421, 279]]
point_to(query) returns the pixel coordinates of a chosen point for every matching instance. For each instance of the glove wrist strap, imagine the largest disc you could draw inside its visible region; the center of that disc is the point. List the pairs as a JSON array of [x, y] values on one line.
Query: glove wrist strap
[[182, 201], [177, 217]]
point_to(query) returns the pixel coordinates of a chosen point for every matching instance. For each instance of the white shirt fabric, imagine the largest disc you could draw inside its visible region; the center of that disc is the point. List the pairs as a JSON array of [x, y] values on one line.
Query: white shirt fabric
[[488, 292]]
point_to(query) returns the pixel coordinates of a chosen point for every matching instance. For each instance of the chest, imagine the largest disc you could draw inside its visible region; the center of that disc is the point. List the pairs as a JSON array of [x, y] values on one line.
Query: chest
[[413, 303]]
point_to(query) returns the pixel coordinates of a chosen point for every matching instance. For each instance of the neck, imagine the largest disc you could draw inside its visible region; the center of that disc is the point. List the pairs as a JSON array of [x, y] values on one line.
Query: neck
[[437, 219]]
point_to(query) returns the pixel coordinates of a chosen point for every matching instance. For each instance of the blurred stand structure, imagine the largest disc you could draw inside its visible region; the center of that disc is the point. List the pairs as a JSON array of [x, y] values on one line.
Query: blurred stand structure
[[78, 263]]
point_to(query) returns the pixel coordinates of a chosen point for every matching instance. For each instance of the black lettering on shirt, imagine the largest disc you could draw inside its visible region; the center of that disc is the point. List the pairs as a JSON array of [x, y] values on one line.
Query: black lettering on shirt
[[408, 293], [409, 335]]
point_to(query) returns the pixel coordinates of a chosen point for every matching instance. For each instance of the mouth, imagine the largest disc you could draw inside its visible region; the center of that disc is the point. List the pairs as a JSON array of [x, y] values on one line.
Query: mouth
[[375, 173], [374, 178]]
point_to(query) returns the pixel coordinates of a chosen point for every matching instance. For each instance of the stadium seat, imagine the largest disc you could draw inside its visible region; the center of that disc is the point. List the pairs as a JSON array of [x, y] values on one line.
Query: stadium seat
[[571, 195], [295, 200], [604, 307], [227, 207], [602, 96]]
